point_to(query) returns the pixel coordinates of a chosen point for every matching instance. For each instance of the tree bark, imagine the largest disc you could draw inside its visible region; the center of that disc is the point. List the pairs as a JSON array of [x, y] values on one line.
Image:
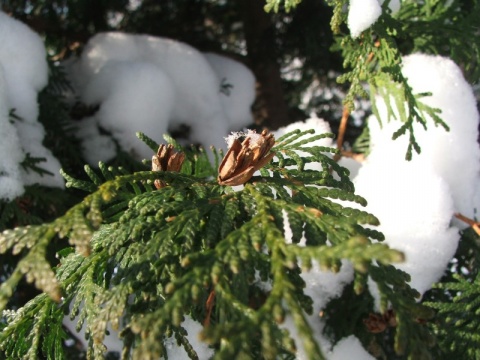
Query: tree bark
[[262, 54]]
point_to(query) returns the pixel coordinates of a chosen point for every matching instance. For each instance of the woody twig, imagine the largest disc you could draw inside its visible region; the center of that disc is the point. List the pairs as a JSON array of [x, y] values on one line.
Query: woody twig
[[341, 132], [474, 224]]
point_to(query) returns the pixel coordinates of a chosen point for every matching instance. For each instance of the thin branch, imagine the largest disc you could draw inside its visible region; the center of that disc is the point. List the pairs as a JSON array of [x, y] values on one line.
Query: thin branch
[[474, 224], [341, 132], [209, 306]]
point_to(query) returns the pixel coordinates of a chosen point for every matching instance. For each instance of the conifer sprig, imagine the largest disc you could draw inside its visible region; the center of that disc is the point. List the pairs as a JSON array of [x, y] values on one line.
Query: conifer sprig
[[276, 4], [143, 260], [376, 60], [446, 28], [375, 57], [457, 324], [35, 328]]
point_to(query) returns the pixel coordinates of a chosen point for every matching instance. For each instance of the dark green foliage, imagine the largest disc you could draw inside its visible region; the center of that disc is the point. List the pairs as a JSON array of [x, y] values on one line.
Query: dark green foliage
[[457, 324], [142, 259], [435, 28], [36, 205], [345, 314], [38, 331], [275, 5], [455, 299]]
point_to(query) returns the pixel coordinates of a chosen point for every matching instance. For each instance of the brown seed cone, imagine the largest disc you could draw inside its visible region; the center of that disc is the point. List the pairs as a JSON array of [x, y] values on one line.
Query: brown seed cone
[[244, 158], [167, 159]]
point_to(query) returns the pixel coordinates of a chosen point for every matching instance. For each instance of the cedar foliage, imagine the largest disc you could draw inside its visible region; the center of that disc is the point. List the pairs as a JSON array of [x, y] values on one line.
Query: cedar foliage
[[141, 260]]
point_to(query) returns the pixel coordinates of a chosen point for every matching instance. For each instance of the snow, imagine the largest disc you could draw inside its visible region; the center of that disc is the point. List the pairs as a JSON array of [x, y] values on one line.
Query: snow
[[95, 147], [415, 200], [351, 164], [364, 13], [324, 285], [361, 15], [454, 152], [11, 184], [415, 207], [134, 96], [155, 85], [24, 73], [254, 138], [394, 5], [349, 348], [25, 66], [449, 153], [240, 95]]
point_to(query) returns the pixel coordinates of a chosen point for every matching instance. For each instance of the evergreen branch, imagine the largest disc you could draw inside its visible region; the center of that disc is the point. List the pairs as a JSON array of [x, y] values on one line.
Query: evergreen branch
[[201, 165], [289, 142], [36, 329], [20, 238], [444, 29], [152, 144], [310, 345], [78, 224], [457, 325], [93, 176], [411, 337], [291, 136], [78, 184], [339, 15], [276, 4], [141, 260], [31, 163], [281, 263], [146, 259], [357, 250], [375, 59], [115, 306], [33, 265], [58, 82], [38, 270], [7, 288]]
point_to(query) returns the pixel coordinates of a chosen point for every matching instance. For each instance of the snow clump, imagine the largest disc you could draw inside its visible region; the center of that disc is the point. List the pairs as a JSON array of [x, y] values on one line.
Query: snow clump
[[237, 84], [11, 183], [349, 348], [157, 85], [415, 201], [23, 73], [361, 15], [364, 13]]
